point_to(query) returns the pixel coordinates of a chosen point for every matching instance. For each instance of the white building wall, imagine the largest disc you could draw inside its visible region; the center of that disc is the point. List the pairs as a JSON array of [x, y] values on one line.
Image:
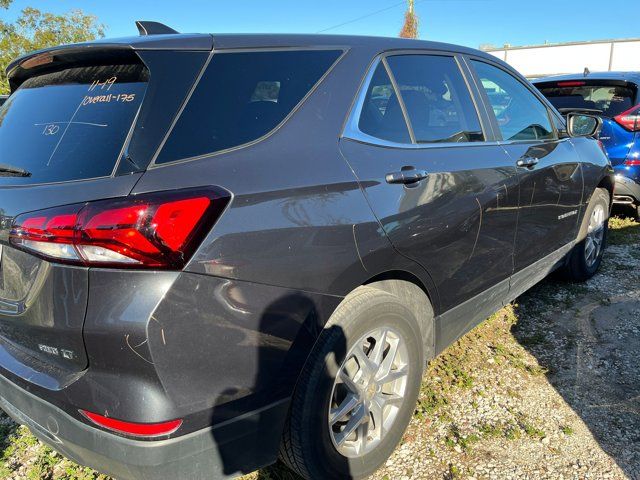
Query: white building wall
[[626, 56], [539, 61]]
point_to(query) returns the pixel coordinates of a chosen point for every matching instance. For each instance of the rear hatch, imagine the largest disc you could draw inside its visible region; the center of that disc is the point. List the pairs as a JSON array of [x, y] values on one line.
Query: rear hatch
[[76, 128], [606, 98]]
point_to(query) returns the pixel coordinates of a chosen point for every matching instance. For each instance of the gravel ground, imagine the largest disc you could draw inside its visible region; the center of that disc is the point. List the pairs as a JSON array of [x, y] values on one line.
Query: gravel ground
[[546, 388]]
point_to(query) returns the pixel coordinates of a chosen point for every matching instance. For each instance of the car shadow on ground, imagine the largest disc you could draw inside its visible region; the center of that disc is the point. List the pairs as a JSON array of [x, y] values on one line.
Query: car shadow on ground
[[296, 312], [588, 340]]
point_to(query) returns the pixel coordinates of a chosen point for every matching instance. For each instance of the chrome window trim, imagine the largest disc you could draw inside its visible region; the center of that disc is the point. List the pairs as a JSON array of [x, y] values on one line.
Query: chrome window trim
[[351, 130]]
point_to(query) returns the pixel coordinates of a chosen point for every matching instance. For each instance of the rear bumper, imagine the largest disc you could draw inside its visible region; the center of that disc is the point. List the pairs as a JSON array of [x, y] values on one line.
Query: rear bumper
[[626, 188], [222, 451]]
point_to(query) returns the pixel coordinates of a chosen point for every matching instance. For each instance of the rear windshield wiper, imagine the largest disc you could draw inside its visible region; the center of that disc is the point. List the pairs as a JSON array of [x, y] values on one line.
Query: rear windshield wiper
[[10, 171]]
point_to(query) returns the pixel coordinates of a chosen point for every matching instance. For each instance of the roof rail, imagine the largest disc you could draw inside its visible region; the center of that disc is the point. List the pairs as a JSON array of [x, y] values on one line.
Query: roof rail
[[153, 28]]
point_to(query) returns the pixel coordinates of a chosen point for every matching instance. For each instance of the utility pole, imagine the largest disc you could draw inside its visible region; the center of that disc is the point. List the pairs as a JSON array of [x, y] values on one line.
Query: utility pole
[[410, 27]]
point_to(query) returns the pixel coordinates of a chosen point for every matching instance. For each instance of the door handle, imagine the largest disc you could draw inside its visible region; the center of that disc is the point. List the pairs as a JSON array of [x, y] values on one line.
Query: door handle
[[406, 176], [527, 162]]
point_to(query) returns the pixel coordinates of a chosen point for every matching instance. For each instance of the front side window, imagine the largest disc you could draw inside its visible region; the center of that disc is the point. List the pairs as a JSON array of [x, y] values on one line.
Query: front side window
[[520, 114], [241, 97], [436, 97]]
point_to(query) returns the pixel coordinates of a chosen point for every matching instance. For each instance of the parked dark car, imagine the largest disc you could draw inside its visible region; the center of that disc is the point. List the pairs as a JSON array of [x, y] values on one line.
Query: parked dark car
[[3, 98], [218, 250], [613, 96]]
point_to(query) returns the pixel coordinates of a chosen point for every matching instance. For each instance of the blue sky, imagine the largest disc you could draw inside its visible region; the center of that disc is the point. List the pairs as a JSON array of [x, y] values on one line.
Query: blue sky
[[466, 22]]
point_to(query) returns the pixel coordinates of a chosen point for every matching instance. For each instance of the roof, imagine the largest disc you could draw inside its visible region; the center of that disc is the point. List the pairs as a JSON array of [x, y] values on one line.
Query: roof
[[34, 62], [624, 76], [311, 40], [186, 41]]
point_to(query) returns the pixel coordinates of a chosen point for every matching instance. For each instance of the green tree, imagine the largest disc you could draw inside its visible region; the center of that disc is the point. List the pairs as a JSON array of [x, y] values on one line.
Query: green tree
[[410, 27], [35, 29]]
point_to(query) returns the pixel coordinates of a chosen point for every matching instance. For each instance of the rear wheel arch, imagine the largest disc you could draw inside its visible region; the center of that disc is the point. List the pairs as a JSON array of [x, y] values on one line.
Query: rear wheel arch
[[415, 296], [306, 443], [412, 293]]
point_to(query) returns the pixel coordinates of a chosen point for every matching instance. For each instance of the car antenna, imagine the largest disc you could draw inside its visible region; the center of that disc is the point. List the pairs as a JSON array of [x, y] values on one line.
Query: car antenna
[[586, 71], [153, 28]]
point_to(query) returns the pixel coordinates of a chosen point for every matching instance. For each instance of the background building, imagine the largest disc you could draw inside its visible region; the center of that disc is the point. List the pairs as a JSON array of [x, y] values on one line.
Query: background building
[[559, 58]]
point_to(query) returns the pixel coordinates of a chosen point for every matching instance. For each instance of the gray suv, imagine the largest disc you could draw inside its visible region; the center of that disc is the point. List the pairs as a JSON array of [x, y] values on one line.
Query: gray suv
[[218, 250]]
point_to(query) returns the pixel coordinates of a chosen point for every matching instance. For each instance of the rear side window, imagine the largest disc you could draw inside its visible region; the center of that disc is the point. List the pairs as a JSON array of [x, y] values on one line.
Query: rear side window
[[520, 114], [436, 98], [381, 115], [243, 96], [609, 99], [70, 124]]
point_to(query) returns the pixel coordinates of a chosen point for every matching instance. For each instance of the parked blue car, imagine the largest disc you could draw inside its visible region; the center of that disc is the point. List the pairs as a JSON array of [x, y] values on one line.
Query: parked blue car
[[613, 96]]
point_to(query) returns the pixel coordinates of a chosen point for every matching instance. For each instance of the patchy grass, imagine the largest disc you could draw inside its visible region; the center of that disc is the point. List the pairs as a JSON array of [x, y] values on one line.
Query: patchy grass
[[456, 438], [533, 431], [621, 230], [567, 430]]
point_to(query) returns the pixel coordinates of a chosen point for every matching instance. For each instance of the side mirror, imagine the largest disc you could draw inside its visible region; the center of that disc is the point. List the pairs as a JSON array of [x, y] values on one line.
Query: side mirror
[[581, 125]]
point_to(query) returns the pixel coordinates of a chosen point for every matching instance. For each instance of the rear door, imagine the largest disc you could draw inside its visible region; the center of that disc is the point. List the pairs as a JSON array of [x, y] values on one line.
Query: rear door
[[548, 166], [65, 133], [444, 192]]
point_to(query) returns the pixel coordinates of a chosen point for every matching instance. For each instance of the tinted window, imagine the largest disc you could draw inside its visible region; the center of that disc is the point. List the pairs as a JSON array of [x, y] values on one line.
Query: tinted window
[[437, 99], [70, 124], [243, 96], [610, 100], [381, 115], [520, 115]]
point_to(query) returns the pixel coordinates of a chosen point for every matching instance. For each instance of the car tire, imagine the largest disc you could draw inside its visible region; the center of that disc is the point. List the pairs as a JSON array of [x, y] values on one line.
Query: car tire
[[311, 443], [585, 258]]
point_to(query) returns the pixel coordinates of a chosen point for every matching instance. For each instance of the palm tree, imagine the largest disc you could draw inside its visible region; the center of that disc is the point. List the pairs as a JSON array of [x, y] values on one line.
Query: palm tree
[[410, 27]]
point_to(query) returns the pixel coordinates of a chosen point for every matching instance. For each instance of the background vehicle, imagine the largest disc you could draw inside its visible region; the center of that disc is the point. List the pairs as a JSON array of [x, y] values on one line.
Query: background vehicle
[[274, 235], [613, 96], [3, 98]]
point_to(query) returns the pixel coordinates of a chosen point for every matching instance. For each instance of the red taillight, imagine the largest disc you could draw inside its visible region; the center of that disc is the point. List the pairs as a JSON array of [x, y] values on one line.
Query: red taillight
[[159, 230], [630, 119], [632, 162], [134, 429], [570, 84]]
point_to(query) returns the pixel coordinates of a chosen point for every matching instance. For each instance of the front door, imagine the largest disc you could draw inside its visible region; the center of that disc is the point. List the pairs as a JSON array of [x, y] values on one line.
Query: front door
[[445, 196], [548, 167]]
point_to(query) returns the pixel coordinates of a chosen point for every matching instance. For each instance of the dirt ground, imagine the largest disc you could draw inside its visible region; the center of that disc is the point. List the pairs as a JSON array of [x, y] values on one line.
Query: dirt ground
[[546, 388]]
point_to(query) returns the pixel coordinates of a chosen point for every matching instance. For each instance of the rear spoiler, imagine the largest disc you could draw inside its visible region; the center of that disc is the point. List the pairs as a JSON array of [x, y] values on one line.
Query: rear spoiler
[[579, 82], [153, 36]]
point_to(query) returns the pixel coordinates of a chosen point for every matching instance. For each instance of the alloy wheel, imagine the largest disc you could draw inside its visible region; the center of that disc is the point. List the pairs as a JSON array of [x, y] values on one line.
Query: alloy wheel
[[368, 392]]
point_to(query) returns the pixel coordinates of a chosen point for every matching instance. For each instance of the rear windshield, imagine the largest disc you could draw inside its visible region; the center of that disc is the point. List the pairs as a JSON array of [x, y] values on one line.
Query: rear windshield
[[70, 124], [610, 100], [243, 96]]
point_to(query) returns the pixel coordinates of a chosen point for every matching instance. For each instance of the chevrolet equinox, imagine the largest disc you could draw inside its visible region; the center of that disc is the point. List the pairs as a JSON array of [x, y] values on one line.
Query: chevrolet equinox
[[218, 250]]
